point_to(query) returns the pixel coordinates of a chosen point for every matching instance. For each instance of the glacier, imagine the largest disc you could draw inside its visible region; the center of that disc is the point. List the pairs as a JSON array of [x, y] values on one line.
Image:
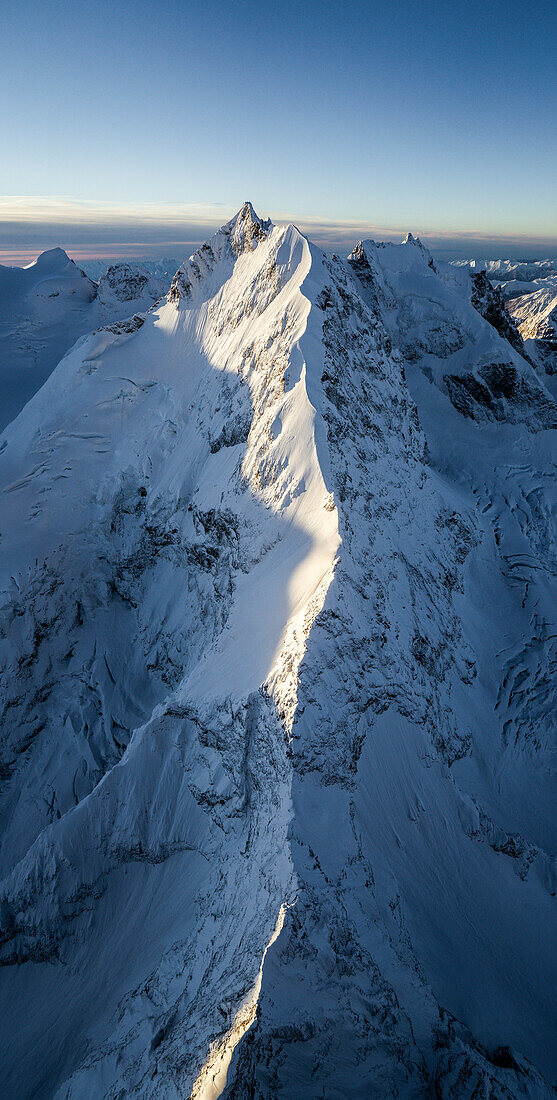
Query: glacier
[[278, 658]]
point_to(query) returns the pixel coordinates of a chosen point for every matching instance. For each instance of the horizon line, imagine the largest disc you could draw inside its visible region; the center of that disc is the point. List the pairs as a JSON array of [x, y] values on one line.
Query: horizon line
[[99, 230]]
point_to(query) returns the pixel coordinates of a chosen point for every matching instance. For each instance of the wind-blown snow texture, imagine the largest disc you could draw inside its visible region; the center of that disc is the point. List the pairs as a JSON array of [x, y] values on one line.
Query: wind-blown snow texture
[[278, 669]]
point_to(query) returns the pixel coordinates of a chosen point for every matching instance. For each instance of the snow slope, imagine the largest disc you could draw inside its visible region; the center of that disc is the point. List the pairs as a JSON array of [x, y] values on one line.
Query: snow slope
[[46, 306], [278, 673]]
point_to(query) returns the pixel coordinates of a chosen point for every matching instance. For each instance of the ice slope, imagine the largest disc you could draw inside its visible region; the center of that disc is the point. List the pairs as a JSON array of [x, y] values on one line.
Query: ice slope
[[46, 306], [278, 664]]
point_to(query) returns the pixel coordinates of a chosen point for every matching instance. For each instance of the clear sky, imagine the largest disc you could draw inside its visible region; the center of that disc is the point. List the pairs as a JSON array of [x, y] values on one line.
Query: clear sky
[[143, 124]]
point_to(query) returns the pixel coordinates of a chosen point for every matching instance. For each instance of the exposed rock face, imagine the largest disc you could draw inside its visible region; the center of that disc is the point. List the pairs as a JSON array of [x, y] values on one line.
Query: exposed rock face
[[126, 282], [535, 314], [278, 675], [487, 299], [241, 234], [499, 392]]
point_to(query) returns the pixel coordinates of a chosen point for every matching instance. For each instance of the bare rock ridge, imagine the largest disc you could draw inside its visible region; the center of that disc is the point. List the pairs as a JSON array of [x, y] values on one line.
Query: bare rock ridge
[[277, 653]]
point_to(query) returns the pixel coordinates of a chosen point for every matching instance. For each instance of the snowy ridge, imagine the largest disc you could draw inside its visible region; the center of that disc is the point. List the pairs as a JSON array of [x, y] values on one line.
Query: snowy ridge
[[277, 757], [215, 541], [241, 234]]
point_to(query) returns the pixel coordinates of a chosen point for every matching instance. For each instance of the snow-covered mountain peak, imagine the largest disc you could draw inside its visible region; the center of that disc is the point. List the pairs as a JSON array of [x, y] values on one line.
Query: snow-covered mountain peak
[[47, 305], [54, 259], [239, 235], [277, 656], [387, 256], [415, 242], [246, 226], [411, 239], [437, 318]]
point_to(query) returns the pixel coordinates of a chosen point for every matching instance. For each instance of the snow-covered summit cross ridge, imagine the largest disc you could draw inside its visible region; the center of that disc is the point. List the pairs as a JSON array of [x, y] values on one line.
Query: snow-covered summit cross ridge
[[278, 569]]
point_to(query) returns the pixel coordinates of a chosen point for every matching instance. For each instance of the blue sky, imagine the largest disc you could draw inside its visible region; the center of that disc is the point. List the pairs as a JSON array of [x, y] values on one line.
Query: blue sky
[[146, 124]]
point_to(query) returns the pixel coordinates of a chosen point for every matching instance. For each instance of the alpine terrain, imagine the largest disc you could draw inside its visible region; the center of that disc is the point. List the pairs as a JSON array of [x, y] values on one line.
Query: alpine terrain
[[535, 315], [278, 656], [45, 307]]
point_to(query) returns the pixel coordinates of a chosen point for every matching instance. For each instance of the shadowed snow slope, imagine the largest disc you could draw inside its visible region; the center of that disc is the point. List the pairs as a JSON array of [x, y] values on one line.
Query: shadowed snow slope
[[278, 665], [46, 306]]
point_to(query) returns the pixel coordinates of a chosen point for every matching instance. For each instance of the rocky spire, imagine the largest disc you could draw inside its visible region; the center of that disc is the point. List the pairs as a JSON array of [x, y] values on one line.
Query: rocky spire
[[246, 229], [241, 234]]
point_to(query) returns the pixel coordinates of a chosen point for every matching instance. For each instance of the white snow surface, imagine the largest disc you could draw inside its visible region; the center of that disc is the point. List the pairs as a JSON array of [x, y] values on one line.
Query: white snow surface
[[46, 306], [278, 653]]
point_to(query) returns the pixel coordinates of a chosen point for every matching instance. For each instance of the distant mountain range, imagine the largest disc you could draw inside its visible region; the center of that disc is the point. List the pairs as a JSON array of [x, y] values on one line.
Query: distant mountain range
[[529, 290]]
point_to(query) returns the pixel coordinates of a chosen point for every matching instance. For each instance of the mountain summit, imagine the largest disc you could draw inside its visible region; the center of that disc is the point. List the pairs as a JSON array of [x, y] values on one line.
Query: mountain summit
[[241, 234], [54, 259], [277, 565]]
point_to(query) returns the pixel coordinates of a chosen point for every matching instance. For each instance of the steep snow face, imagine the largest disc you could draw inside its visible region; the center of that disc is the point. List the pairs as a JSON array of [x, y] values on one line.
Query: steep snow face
[[278, 673], [46, 306]]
